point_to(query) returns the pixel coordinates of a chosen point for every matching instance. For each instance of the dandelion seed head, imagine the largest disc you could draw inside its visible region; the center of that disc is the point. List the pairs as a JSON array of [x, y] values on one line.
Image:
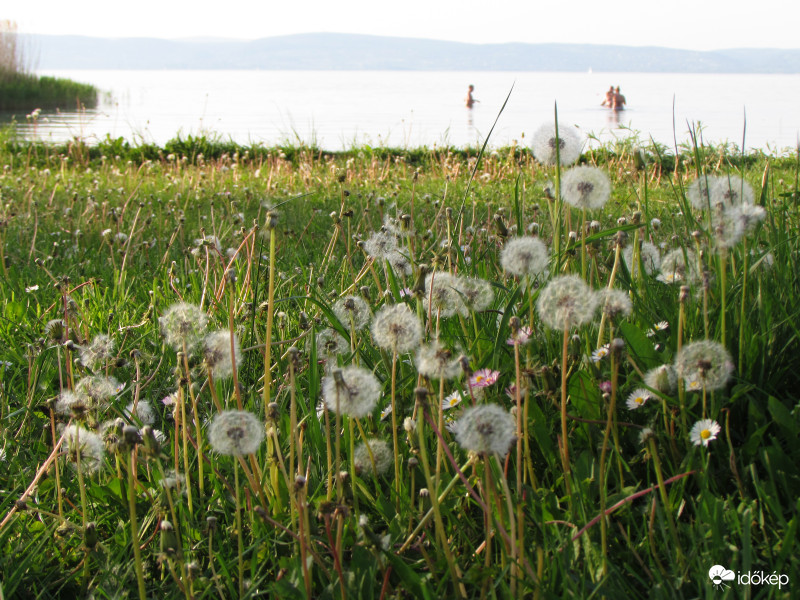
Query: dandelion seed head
[[699, 192], [663, 379], [55, 330], [235, 433], [97, 391], [397, 328], [651, 258], [381, 245], [70, 404], [217, 353], [183, 324], [352, 307], [441, 295], [401, 265], [525, 256], [728, 230], [731, 191], [144, 413], [706, 362], [677, 267], [486, 429], [173, 480], [614, 303], [569, 144], [566, 302], [331, 344], [87, 444], [476, 294], [98, 352], [356, 390], [645, 434], [435, 361], [381, 454], [585, 187], [746, 215], [703, 432]]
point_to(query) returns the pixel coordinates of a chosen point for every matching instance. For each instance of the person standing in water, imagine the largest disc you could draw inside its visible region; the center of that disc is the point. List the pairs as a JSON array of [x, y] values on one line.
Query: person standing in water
[[619, 100], [609, 99], [470, 100]]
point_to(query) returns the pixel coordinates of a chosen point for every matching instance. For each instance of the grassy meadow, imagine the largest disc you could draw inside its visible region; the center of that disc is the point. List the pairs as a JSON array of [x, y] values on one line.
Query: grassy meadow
[[249, 372]]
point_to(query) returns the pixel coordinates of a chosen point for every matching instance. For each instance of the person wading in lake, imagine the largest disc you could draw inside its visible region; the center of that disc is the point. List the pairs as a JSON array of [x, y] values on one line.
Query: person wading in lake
[[619, 100], [609, 99], [470, 100]]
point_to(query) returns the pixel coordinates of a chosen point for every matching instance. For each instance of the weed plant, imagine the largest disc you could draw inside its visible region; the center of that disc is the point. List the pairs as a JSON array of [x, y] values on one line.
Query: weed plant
[[197, 400]]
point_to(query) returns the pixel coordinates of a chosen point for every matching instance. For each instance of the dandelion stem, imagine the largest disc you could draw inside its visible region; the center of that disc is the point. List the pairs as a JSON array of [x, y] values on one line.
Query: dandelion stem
[[239, 543], [665, 498], [137, 553], [564, 433], [437, 516], [270, 311]]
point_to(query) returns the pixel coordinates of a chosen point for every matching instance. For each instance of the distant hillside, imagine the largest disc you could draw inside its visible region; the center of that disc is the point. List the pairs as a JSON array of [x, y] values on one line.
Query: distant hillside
[[334, 51]]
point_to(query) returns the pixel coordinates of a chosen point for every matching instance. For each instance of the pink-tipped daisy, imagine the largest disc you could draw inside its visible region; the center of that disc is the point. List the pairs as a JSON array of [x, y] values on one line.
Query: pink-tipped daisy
[[386, 412], [704, 432], [484, 378]]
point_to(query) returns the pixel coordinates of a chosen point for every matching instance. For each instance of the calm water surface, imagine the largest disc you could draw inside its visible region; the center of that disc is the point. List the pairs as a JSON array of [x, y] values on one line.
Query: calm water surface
[[336, 110]]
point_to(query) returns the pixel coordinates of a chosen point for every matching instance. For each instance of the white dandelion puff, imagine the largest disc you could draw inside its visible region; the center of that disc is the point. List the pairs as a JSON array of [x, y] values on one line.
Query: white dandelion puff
[[98, 352], [352, 391], [397, 328], [486, 429], [376, 464], [585, 187], [566, 146], [235, 433], [352, 310], [80, 443], [183, 324], [649, 254], [706, 362], [566, 302], [525, 256], [217, 353], [435, 361], [663, 379]]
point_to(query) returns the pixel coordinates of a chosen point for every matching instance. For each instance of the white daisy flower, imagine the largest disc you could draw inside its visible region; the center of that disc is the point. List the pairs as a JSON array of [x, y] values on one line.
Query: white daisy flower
[[704, 432]]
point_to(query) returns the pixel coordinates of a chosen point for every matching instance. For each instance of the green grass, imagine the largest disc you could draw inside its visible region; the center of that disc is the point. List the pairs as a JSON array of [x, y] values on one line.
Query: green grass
[[63, 209]]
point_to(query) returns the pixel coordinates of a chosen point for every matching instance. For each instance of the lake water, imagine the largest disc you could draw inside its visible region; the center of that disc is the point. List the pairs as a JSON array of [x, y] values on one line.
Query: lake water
[[337, 110]]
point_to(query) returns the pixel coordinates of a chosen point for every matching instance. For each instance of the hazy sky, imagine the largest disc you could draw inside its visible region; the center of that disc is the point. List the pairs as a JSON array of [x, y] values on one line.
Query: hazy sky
[[691, 24]]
